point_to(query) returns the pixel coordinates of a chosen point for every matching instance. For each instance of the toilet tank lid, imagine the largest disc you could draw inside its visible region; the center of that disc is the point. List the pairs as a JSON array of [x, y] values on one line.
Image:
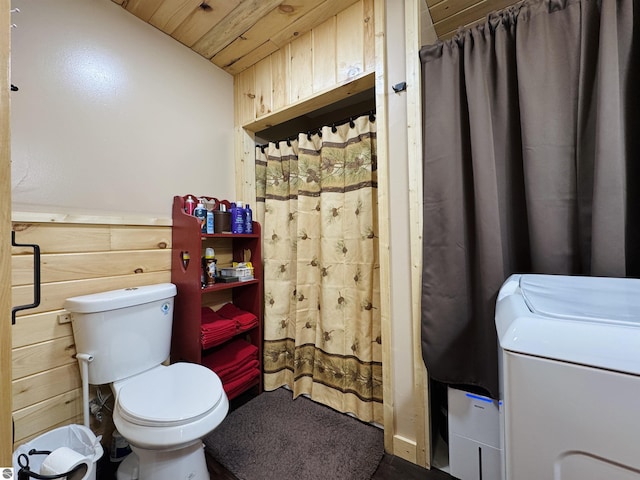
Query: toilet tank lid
[[114, 299]]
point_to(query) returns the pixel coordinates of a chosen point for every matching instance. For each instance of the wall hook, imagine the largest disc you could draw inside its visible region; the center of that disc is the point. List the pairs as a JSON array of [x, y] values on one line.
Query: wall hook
[[400, 87]]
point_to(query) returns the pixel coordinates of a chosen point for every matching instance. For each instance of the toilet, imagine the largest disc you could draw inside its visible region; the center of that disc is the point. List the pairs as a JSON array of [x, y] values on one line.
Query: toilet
[[162, 411]]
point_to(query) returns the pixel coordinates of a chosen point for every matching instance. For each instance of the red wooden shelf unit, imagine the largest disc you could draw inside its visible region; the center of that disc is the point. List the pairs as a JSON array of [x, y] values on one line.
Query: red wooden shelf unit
[[188, 245]]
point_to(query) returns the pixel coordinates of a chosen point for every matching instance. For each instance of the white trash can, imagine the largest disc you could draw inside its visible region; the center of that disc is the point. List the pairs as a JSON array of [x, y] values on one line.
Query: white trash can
[[60, 451]]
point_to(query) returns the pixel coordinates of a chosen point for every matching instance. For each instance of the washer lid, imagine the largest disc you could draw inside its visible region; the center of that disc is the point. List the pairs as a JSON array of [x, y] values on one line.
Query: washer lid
[[591, 321], [607, 300], [171, 395]]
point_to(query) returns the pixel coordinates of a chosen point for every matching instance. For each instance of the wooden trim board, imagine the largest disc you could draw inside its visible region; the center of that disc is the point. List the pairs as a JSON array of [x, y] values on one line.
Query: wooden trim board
[[6, 427]]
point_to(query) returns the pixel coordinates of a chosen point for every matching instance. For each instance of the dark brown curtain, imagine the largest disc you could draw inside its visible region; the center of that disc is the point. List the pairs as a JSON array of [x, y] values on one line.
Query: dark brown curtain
[[531, 164]]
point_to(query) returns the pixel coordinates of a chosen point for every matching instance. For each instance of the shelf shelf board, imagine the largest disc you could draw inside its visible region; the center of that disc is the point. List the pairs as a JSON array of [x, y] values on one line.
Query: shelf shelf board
[[230, 235], [226, 286]]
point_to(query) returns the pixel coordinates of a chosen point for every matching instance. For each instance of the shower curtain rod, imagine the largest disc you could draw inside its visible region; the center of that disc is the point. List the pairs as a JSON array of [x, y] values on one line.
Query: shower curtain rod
[[349, 120]]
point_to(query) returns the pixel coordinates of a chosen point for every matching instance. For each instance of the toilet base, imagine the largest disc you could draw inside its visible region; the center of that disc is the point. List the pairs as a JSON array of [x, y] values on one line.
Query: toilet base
[[186, 463]]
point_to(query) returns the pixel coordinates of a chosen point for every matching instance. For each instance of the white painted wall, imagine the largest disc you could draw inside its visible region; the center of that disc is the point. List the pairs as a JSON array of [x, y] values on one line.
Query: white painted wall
[[112, 115]]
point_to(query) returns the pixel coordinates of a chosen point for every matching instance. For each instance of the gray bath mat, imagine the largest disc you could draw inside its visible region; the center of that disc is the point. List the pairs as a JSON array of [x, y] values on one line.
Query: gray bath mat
[[275, 437]]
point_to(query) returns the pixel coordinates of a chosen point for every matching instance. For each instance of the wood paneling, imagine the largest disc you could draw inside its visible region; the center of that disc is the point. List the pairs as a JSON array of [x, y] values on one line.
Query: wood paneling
[[41, 386], [326, 64], [369, 44], [5, 235], [76, 266], [414, 164], [245, 88], [237, 34], [384, 213], [259, 34], [315, 102], [54, 238], [324, 61], [322, 12], [41, 416], [280, 72], [200, 21], [54, 294], [449, 15], [39, 328], [350, 41], [263, 88], [233, 25], [77, 259], [302, 64], [40, 357]]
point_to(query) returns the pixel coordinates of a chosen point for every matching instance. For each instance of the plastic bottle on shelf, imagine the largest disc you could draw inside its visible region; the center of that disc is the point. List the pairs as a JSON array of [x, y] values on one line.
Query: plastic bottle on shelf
[[210, 269], [248, 219], [201, 214], [237, 217], [189, 204], [209, 227]]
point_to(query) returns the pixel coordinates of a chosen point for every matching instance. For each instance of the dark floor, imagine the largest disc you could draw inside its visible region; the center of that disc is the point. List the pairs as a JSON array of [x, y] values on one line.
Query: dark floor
[[390, 467], [395, 468]]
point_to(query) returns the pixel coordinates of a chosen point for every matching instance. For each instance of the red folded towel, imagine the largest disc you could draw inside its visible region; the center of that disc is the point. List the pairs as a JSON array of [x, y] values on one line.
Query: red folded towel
[[217, 332], [230, 357], [208, 315], [219, 325], [237, 386], [246, 324], [240, 372], [230, 311], [215, 328]]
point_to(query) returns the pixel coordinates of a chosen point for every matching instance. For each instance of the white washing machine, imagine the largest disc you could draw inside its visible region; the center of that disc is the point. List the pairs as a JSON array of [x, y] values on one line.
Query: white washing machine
[[570, 377]]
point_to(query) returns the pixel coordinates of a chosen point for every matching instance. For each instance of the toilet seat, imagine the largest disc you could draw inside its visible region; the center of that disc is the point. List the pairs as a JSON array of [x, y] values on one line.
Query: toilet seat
[[170, 396]]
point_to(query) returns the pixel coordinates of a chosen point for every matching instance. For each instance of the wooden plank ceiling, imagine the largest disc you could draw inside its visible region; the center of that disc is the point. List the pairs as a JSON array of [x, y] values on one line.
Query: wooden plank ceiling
[[235, 34], [449, 15]]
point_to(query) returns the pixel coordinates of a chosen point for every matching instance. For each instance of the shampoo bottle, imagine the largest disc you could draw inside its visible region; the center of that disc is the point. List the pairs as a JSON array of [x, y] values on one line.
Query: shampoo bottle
[[237, 217], [248, 219]]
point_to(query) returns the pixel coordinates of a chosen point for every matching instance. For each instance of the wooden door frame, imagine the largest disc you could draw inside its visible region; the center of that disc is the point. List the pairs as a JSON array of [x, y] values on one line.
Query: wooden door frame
[[6, 428]]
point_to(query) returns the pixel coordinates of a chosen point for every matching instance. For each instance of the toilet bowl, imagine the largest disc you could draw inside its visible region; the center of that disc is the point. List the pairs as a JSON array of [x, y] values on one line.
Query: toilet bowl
[[162, 411], [168, 407]]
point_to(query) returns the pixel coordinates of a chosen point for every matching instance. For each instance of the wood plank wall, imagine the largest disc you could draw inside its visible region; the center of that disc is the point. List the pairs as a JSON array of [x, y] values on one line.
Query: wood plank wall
[[311, 67], [5, 225], [77, 259]]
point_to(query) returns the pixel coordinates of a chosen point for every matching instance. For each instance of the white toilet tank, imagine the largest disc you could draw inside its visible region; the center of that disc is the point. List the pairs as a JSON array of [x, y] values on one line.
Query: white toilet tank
[[126, 331]]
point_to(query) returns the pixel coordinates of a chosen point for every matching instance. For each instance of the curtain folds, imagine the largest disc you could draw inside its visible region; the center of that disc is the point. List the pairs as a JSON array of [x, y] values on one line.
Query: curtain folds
[[531, 159], [317, 202]]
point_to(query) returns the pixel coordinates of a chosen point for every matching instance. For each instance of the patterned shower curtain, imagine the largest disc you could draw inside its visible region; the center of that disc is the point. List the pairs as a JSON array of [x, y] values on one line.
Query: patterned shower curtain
[[317, 203]]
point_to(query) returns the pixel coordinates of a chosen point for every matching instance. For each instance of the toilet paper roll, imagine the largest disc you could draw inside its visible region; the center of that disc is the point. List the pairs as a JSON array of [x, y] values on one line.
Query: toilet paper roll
[[63, 460]]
